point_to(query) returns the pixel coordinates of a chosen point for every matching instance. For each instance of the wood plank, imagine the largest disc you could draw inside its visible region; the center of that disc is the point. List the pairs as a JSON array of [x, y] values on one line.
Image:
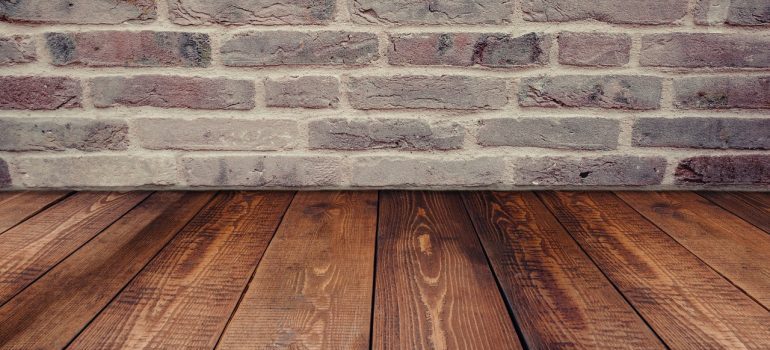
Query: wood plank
[[19, 206], [687, 303], [313, 287], [752, 207], [434, 287], [29, 250], [558, 295], [184, 297], [733, 247], [53, 310]]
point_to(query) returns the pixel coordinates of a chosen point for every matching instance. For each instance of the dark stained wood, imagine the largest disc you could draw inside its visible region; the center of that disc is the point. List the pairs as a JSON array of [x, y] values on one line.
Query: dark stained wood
[[434, 288], [731, 246], [752, 207], [53, 310], [559, 297], [16, 207], [687, 303], [184, 297], [313, 287], [28, 250]]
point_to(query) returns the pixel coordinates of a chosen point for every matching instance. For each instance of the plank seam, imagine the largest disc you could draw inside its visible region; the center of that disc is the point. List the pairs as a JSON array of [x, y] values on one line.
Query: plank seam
[[44, 208], [732, 212], [374, 274]]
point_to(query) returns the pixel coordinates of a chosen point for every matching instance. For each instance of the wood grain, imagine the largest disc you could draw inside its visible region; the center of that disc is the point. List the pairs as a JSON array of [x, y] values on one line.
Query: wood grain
[[28, 250], [53, 310], [19, 206], [731, 246], [752, 207], [687, 303], [313, 287], [434, 288], [558, 295], [184, 297]]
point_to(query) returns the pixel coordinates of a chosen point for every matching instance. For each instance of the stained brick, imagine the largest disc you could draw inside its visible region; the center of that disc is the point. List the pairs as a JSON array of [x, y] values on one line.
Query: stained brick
[[260, 171], [217, 134], [565, 133], [77, 11], [96, 171], [594, 49], [610, 91], [724, 170], [694, 50], [749, 12], [50, 134], [39, 93], [722, 92], [432, 12], [724, 133], [589, 171], [5, 175], [385, 133], [305, 92], [17, 49], [424, 172], [257, 12], [611, 11]]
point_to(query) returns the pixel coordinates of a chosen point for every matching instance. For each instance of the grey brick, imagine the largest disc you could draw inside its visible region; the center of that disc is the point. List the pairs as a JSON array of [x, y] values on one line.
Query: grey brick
[[17, 49], [96, 171], [406, 172], [257, 171], [567, 133], [703, 133], [305, 92], [589, 171], [722, 92], [421, 12], [381, 133], [52, 134], [610, 91], [217, 134], [693, 50], [611, 11], [255, 12], [5, 175], [725, 170], [77, 11]]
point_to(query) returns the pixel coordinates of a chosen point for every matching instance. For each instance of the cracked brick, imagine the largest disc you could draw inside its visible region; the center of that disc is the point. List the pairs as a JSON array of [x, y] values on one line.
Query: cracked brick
[[251, 12], [385, 133], [609, 91], [39, 93]]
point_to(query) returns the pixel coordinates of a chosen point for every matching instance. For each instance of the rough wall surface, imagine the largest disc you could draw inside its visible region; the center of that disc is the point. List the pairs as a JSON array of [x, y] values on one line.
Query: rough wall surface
[[503, 94]]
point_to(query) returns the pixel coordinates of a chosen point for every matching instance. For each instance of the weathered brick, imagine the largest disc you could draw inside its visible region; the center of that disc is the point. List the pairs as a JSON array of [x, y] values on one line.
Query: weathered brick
[[495, 50], [725, 170], [305, 92], [611, 11], [130, 49], [406, 172], [749, 13], [173, 92], [433, 92], [722, 133], [96, 171], [48, 134], [382, 133], [277, 48], [258, 171], [694, 50], [722, 92], [77, 11], [594, 49], [5, 175], [589, 171], [610, 91], [39, 93], [422, 12], [216, 134], [17, 49], [710, 12], [567, 133], [258, 12]]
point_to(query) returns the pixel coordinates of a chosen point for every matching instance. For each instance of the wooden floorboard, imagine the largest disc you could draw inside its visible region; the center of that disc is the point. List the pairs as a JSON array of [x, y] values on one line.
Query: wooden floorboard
[[28, 250], [734, 248], [313, 287], [434, 287], [687, 303], [752, 207], [184, 297], [52, 311], [17, 207], [555, 291]]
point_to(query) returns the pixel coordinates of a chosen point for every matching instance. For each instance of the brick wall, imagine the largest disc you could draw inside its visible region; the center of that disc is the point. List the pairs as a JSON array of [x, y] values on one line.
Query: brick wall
[[389, 94]]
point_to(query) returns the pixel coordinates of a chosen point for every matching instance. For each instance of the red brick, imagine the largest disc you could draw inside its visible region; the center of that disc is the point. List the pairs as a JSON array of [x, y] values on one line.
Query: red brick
[[173, 92], [693, 50], [38, 93], [725, 170], [594, 49]]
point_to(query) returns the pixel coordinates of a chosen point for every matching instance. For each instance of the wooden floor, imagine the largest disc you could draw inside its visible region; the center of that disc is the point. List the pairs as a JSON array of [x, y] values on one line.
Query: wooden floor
[[387, 270]]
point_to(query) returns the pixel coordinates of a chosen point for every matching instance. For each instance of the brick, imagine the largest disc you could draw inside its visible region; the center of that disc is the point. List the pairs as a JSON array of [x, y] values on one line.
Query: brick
[[255, 12], [594, 49], [496, 50], [381, 133], [565, 133], [589, 171], [52, 134], [722, 92], [610, 91], [216, 134], [5, 175], [173, 92], [304, 92], [130, 49], [39, 93], [422, 12], [96, 171], [281, 48], [259, 171], [710, 12], [749, 13], [715, 133], [17, 49], [693, 50], [611, 11], [77, 11], [406, 172], [725, 170], [431, 92]]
